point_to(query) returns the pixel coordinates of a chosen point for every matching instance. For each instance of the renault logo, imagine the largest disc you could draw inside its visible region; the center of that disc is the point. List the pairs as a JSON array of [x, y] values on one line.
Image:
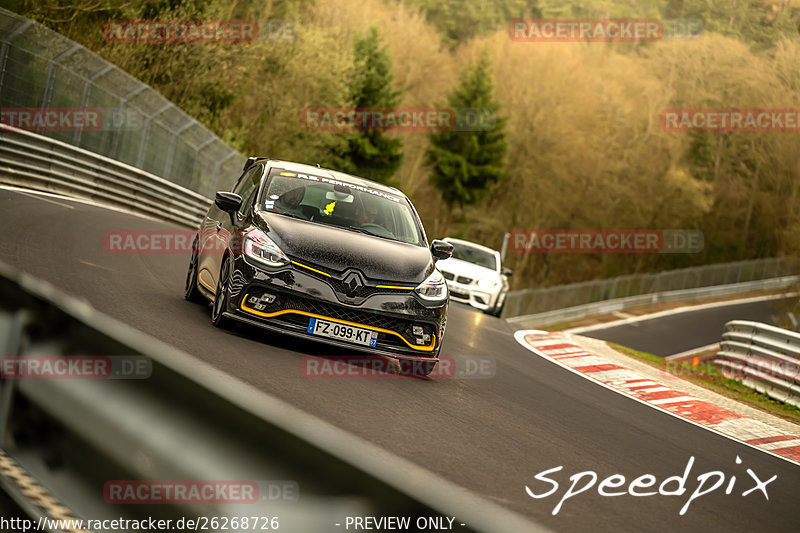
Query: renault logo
[[352, 284]]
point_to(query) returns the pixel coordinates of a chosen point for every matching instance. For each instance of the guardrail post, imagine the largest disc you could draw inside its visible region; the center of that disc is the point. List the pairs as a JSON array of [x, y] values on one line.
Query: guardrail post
[[7, 44], [76, 140], [51, 77], [146, 133], [218, 166], [197, 150], [123, 102], [171, 151]]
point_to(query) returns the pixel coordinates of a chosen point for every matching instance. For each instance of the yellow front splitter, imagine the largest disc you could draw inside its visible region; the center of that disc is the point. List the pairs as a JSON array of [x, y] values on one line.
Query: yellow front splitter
[[252, 311]]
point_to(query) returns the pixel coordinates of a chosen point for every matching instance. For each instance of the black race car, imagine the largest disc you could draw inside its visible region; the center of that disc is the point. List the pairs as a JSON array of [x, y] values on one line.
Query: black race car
[[323, 255]]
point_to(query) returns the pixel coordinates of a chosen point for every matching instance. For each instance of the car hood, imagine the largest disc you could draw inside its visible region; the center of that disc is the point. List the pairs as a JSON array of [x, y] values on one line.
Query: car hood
[[463, 268], [334, 249]]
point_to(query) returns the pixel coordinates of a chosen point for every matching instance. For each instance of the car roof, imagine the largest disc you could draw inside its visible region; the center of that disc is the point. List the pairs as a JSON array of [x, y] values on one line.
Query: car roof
[[333, 174], [470, 243]]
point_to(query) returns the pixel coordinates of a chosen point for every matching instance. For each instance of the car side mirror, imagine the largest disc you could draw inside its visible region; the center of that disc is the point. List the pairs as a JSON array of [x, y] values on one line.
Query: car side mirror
[[228, 202], [441, 249], [506, 272]]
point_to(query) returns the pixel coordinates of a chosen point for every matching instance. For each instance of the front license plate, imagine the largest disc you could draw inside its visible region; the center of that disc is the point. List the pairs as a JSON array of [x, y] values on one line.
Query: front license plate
[[334, 330]]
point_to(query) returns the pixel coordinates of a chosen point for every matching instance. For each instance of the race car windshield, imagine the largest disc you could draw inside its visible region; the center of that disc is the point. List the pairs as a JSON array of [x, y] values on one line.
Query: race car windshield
[[334, 203], [474, 255]]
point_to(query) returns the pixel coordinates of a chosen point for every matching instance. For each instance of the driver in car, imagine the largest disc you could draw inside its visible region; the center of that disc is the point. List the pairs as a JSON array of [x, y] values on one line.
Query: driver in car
[[368, 214], [289, 202]]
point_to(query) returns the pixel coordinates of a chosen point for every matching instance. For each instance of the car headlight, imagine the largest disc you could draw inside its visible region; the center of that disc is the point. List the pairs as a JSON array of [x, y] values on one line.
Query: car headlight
[[489, 284], [433, 289], [259, 247]]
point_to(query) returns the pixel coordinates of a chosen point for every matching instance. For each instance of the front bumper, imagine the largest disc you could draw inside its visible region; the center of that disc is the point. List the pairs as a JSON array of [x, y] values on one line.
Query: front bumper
[[302, 293], [474, 296]]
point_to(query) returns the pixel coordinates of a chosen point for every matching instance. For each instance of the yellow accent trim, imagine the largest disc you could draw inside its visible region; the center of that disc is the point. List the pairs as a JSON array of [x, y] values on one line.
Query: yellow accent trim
[[288, 174], [394, 287], [376, 286], [206, 285], [244, 307], [311, 269]]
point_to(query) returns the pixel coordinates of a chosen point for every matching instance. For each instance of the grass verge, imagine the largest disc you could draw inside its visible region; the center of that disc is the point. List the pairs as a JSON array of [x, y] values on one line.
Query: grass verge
[[706, 375]]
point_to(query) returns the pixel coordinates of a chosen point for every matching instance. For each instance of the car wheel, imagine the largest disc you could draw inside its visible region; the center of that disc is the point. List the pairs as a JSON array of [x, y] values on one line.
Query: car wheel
[[498, 310], [220, 304], [191, 293]]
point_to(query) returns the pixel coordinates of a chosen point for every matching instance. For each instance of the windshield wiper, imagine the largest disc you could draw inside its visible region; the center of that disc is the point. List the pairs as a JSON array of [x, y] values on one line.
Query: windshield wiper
[[365, 232], [356, 228], [290, 215]]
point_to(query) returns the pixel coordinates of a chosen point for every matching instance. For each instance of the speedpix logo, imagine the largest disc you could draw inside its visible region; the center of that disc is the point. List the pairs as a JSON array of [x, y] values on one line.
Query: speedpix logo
[[672, 486]]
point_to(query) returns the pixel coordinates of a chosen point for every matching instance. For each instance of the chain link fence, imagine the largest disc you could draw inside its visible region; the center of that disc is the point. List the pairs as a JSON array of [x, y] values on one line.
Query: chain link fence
[[42, 70], [534, 301]]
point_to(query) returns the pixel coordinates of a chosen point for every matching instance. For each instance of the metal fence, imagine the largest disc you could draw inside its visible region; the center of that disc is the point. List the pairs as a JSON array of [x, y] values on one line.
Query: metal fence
[[40, 69], [535, 301], [764, 357]]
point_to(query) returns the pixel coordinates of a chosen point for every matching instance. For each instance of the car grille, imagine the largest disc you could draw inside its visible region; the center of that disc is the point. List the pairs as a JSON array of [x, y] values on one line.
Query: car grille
[[365, 291], [342, 313], [448, 275], [464, 280], [375, 320]]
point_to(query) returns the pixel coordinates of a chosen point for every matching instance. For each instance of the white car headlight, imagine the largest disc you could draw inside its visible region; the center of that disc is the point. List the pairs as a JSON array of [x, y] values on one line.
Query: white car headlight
[[433, 289], [488, 284], [259, 247]]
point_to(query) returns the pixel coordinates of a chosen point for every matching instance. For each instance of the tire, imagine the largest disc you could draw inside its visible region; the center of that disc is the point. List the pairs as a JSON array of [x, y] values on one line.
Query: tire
[[220, 304], [190, 292], [498, 310]]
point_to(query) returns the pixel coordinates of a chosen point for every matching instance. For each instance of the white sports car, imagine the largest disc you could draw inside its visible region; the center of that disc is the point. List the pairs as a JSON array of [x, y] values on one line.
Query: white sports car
[[475, 275]]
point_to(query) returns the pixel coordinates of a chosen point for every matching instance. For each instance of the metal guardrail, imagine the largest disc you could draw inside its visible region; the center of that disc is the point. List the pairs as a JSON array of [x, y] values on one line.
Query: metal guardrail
[[764, 357], [189, 421], [536, 301], [40, 69], [620, 304], [32, 161]]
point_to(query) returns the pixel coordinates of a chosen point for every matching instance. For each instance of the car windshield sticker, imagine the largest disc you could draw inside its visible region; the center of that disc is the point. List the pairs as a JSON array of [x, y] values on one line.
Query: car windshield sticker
[[273, 196], [332, 181], [269, 204], [329, 208]]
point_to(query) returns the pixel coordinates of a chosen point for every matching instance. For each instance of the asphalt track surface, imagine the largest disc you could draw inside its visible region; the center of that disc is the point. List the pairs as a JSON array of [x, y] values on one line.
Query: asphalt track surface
[[668, 335], [491, 436]]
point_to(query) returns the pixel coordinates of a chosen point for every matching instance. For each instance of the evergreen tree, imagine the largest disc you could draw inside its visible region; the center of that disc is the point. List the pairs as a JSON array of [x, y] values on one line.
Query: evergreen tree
[[371, 153], [467, 161]]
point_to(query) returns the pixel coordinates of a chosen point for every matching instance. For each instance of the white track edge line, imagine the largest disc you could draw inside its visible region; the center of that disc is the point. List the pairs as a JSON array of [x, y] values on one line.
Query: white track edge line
[[519, 335]]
